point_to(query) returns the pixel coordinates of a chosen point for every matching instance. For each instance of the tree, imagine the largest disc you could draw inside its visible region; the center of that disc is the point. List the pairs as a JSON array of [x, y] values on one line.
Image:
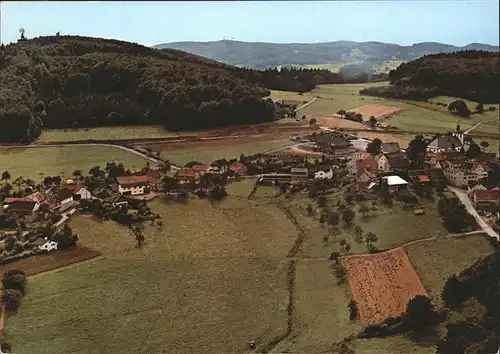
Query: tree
[[5, 176], [312, 121], [374, 146], [473, 151], [347, 247], [460, 108], [416, 147], [137, 229], [348, 216], [14, 279], [77, 174], [12, 299], [96, 172], [310, 209], [334, 256], [321, 201], [333, 219], [420, 312], [358, 232], [353, 310], [66, 238], [484, 144], [341, 112], [480, 108], [370, 238], [322, 219], [218, 193], [169, 184], [363, 209], [372, 121], [454, 291]]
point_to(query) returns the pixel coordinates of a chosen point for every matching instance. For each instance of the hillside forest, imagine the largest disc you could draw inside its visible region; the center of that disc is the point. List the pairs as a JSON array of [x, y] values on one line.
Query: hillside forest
[[470, 74], [72, 81]]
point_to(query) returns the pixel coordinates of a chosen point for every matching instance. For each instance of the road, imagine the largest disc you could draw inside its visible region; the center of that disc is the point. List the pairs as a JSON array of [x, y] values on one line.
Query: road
[[462, 195], [473, 127], [305, 104]]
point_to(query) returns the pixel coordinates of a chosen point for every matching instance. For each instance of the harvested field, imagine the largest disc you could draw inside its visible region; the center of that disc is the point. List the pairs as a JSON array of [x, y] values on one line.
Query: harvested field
[[44, 262], [375, 110], [382, 284], [336, 122]]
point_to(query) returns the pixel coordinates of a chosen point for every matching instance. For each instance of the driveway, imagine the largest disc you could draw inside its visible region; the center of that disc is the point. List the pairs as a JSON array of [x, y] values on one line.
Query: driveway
[[464, 198]]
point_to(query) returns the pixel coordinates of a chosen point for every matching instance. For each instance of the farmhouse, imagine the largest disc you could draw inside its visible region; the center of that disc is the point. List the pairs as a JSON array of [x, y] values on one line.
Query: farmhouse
[[187, 175], [324, 174], [45, 244], [459, 177], [299, 174], [133, 185], [238, 168], [481, 169], [395, 183], [365, 171], [201, 169], [419, 177], [23, 208], [486, 198], [445, 143], [367, 159], [80, 194], [394, 161]]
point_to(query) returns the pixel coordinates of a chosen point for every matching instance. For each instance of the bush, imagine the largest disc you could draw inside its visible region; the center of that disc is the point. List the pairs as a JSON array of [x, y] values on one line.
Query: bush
[[12, 299], [14, 279]]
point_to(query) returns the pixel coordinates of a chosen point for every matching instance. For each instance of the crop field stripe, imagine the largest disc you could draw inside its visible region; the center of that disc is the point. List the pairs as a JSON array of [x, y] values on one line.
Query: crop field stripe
[[382, 284]]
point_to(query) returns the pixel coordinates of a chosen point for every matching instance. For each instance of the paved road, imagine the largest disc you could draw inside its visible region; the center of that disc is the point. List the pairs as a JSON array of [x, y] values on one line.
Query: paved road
[[305, 104], [462, 195]]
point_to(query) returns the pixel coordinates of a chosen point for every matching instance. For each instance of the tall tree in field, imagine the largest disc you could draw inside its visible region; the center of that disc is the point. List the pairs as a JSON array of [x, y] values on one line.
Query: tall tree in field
[[5, 175], [137, 229], [358, 232], [348, 216], [370, 238]]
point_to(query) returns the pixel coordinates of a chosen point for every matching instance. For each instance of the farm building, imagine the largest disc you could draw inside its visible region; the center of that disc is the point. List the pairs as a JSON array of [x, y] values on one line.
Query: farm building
[[238, 168], [324, 174], [201, 168], [445, 143], [481, 169], [133, 185], [367, 159], [486, 198], [459, 177], [23, 208], [299, 174], [82, 193], [45, 244], [394, 161], [395, 183], [187, 175]]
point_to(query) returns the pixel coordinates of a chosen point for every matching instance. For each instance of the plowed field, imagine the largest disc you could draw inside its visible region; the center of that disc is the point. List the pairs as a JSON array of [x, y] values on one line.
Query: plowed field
[[382, 284]]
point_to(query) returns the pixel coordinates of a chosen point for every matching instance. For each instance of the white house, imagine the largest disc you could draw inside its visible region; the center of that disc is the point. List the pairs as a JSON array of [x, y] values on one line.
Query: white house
[[460, 178], [395, 182], [133, 185], [45, 244], [445, 143], [481, 169], [324, 174], [82, 193]]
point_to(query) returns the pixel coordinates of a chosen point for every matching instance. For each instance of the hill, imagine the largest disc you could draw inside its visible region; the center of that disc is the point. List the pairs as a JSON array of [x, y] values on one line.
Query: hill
[[470, 74], [73, 81], [265, 55]]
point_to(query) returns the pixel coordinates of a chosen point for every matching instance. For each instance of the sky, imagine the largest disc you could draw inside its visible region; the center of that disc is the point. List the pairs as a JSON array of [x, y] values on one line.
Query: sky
[[150, 23]]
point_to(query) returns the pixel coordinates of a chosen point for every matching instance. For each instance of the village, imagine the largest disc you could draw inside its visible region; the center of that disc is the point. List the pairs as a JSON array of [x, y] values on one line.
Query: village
[[33, 216]]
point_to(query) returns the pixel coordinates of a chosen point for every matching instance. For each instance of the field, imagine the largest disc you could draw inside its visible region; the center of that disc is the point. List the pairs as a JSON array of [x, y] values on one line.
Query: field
[[382, 284], [210, 150], [213, 271], [375, 110], [107, 133], [50, 161], [435, 261]]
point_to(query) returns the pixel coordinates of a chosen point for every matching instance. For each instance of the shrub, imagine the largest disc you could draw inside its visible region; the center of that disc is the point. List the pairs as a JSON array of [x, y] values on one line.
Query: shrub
[[12, 299]]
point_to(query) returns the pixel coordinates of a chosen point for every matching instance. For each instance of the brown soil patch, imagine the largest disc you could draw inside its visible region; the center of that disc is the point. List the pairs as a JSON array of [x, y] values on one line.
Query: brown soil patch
[[375, 110], [44, 262], [337, 122], [382, 284]]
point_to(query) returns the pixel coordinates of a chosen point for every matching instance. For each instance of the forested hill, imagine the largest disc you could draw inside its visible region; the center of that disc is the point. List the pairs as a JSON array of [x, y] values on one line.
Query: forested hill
[[267, 55], [63, 81], [468, 74]]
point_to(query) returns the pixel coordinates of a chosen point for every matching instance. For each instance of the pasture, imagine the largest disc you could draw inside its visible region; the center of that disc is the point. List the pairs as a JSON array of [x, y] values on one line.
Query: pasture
[[37, 162], [214, 271], [108, 133], [208, 151], [436, 260], [382, 284]]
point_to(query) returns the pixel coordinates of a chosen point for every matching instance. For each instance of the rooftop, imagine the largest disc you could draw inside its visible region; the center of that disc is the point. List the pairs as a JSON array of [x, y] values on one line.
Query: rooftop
[[394, 180], [187, 172], [126, 181], [485, 195]]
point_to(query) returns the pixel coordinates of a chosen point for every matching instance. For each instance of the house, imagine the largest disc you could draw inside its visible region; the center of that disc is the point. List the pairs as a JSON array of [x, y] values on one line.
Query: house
[[187, 175], [387, 148], [459, 177], [23, 208], [368, 160], [394, 161], [365, 171], [82, 193], [133, 185], [445, 143], [486, 198], [395, 183], [332, 141], [436, 175], [481, 169], [488, 157], [45, 244], [473, 187], [201, 168], [299, 174], [238, 168], [324, 174]]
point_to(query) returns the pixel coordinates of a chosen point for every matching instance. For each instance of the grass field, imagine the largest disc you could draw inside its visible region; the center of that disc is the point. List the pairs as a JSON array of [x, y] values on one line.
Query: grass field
[[435, 261], [277, 95], [210, 281], [209, 151], [50, 161], [107, 133]]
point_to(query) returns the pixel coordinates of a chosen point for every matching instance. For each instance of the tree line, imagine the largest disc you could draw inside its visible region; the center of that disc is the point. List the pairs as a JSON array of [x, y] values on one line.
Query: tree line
[[470, 74]]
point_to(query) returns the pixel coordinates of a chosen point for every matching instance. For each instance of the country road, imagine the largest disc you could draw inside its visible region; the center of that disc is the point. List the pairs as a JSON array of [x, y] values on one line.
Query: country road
[[470, 208], [306, 104]]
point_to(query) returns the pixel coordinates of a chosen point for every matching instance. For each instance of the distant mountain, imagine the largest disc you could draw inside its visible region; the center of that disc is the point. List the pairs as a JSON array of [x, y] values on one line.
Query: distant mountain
[[265, 55]]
